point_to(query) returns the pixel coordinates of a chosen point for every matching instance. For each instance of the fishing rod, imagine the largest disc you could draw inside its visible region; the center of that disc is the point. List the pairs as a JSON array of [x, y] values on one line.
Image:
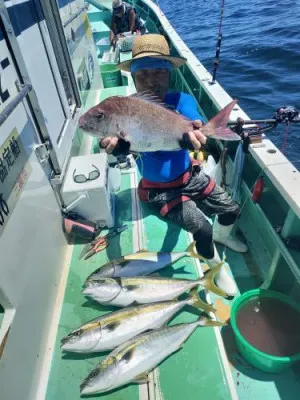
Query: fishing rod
[[218, 47]]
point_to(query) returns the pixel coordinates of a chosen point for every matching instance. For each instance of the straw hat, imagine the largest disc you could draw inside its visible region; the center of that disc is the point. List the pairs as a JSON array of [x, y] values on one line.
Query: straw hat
[[154, 46]]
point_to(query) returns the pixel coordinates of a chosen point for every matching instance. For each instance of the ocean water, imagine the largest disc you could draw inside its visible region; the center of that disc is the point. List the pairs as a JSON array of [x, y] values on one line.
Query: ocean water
[[260, 54]]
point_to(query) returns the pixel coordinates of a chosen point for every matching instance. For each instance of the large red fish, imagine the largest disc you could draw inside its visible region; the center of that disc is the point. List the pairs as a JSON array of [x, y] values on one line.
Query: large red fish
[[148, 125]]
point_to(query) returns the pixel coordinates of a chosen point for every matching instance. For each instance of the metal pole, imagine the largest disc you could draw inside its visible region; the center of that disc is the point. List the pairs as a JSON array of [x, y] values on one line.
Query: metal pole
[[14, 103], [261, 121], [68, 21]]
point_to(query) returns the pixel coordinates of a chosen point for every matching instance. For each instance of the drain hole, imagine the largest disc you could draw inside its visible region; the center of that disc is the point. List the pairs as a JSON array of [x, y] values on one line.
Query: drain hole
[[271, 151]]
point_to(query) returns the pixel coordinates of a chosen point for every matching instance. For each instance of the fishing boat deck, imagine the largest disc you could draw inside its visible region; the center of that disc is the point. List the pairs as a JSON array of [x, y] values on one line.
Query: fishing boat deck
[[199, 371], [208, 366]]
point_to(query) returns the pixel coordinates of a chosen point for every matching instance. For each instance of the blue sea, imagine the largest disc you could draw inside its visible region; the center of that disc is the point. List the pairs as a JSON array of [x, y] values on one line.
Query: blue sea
[[260, 53]]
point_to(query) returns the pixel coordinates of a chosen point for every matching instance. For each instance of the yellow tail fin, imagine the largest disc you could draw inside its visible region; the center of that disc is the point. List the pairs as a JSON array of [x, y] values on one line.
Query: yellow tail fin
[[203, 321], [197, 302], [208, 281], [192, 252]]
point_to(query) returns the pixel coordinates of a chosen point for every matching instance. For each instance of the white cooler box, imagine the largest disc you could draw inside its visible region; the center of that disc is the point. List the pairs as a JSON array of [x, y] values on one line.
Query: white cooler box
[[94, 199]]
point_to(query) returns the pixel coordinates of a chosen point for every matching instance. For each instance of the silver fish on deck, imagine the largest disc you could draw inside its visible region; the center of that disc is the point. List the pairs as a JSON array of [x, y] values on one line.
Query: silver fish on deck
[[123, 292], [133, 360], [109, 331], [149, 125], [141, 263]]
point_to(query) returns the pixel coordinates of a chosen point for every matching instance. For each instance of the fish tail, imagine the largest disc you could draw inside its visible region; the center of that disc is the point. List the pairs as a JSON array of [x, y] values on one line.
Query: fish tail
[[203, 321], [190, 251], [217, 126], [208, 281], [195, 301]]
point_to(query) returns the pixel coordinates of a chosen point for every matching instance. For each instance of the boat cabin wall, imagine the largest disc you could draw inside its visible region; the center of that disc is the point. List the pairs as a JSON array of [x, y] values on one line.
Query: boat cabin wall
[[48, 70]]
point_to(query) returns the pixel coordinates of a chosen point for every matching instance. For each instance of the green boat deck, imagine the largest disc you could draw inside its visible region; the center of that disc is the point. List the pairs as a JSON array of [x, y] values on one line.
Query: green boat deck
[[197, 367], [201, 369], [209, 366]]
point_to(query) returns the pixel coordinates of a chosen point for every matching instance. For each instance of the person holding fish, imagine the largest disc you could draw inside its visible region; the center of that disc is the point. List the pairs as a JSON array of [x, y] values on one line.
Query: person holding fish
[[162, 126]]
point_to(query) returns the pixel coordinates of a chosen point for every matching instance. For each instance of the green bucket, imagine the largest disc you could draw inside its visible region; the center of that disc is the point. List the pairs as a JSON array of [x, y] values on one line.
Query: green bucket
[[111, 76], [255, 357]]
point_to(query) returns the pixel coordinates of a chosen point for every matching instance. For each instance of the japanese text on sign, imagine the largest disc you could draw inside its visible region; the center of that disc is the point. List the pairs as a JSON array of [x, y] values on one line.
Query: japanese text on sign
[[14, 173]]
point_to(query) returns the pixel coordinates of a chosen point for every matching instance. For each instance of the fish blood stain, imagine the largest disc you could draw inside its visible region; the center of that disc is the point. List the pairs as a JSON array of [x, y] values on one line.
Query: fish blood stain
[[270, 326]]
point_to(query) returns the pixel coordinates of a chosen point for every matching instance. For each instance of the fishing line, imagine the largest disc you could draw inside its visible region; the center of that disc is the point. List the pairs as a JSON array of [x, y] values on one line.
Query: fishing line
[[285, 137]]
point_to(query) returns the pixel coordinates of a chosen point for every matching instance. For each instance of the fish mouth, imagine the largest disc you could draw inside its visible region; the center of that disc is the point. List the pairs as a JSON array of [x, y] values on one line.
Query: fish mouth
[[82, 123], [85, 388], [88, 291], [75, 346], [85, 126], [64, 341], [88, 386]]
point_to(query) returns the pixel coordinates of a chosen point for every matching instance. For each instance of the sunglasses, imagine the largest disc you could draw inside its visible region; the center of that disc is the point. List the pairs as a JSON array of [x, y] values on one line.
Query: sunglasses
[[80, 178]]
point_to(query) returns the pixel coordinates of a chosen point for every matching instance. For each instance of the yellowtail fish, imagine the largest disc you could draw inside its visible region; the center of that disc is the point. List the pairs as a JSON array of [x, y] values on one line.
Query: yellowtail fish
[[148, 125], [123, 292], [111, 330], [141, 263], [133, 360]]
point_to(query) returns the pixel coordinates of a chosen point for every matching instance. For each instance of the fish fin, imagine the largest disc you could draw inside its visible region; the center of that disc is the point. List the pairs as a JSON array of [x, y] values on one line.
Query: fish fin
[[118, 280], [130, 288], [136, 256], [142, 378], [203, 321], [134, 304], [197, 302], [217, 126], [112, 326], [208, 281], [128, 355], [190, 251], [150, 97]]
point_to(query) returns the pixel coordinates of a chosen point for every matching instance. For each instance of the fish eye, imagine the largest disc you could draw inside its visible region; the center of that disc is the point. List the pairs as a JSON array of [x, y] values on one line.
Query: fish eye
[[77, 333], [93, 374]]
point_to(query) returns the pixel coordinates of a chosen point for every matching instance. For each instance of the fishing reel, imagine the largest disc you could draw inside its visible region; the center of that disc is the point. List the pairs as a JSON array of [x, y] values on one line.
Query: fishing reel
[[287, 114]]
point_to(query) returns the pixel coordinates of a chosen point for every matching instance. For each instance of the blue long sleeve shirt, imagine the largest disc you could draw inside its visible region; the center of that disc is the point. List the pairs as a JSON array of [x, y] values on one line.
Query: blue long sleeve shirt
[[166, 166]]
